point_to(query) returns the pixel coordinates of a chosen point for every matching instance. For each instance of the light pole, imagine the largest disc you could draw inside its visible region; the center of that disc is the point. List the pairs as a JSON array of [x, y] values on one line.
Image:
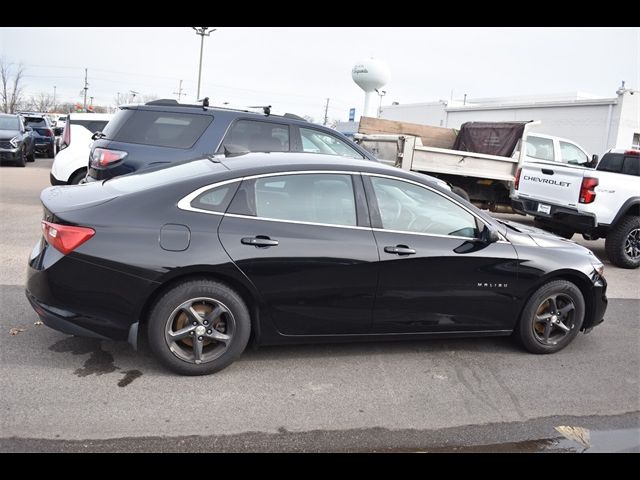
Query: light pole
[[381, 93], [203, 32]]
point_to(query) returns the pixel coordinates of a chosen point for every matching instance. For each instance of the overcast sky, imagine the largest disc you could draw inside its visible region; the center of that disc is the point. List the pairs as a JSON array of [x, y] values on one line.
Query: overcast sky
[[296, 69]]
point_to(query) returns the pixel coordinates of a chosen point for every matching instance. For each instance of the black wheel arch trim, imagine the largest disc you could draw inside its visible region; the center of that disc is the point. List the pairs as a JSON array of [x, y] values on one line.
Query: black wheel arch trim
[[624, 210]]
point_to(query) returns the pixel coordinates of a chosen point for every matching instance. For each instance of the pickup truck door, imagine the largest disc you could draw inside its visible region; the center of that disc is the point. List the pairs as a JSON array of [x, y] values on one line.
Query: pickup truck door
[[556, 184]]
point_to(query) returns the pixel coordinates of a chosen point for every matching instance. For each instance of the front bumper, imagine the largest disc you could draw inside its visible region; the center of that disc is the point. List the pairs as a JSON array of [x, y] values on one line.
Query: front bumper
[[564, 217], [11, 155], [598, 305]]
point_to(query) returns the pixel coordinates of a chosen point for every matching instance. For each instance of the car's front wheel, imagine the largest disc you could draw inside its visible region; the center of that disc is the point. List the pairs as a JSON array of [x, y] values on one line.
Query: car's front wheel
[[199, 327], [552, 317]]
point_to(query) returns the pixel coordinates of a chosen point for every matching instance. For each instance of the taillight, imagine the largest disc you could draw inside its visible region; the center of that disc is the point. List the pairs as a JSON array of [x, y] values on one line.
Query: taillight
[[101, 157], [65, 238], [587, 192], [635, 153], [516, 182], [47, 132], [66, 135]]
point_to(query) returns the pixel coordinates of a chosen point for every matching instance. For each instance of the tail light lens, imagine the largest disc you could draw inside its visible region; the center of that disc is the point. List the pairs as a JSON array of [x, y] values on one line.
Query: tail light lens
[[635, 153], [516, 182], [65, 238], [102, 157], [66, 135], [47, 132], [587, 192]]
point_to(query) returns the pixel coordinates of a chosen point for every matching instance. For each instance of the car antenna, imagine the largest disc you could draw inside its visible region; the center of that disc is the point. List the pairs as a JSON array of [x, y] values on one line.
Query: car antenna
[[205, 102], [265, 108]]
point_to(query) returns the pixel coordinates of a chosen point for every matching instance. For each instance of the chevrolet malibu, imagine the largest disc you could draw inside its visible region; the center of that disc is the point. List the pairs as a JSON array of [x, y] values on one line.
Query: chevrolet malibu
[[202, 257]]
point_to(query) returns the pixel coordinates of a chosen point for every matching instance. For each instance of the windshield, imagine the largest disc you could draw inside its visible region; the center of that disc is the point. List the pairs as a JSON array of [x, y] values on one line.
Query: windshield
[[9, 123]]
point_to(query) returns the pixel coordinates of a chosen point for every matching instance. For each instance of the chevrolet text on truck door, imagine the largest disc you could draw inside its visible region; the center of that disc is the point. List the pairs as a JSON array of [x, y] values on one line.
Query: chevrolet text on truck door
[[600, 203]]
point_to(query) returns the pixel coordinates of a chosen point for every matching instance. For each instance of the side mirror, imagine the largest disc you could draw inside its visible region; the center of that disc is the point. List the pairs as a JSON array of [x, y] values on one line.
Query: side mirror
[[594, 161], [490, 235], [97, 135]]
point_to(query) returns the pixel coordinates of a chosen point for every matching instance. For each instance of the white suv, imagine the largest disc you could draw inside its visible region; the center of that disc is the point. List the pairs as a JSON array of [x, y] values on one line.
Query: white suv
[[70, 164]]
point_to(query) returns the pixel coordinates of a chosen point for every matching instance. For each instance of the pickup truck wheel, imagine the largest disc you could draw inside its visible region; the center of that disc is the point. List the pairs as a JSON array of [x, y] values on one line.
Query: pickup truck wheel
[[623, 243], [552, 317], [461, 193]]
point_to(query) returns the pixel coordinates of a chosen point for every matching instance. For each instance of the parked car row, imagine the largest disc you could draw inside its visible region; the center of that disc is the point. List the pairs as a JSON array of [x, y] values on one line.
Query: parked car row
[[23, 135]]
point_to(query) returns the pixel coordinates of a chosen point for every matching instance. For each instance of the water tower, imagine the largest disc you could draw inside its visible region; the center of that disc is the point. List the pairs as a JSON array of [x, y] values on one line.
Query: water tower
[[370, 75]]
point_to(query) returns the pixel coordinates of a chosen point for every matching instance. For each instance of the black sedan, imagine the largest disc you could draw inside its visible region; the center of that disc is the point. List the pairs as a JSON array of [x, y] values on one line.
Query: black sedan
[[201, 257]]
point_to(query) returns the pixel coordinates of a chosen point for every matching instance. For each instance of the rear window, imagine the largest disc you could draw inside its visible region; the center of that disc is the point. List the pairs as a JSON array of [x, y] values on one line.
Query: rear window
[[35, 121], [620, 163], [91, 125], [257, 136], [162, 129]]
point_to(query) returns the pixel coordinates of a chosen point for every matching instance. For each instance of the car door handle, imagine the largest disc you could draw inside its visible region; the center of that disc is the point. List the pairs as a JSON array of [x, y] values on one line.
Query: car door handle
[[259, 241], [400, 250], [546, 171]]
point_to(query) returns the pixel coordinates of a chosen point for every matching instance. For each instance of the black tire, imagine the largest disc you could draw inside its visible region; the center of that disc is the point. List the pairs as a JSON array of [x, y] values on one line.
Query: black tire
[[528, 328], [461, 193], [22, 161], [32, 156], [627, 230], [77, 177], [51, 151], [165, 309]]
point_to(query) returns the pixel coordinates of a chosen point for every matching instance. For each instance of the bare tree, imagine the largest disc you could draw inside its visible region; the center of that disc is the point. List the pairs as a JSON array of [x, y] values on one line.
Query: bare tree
[[42, 102], [11, 88], [149, 97]]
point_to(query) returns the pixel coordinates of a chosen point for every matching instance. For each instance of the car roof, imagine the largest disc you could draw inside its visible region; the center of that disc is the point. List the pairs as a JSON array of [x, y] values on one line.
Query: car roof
[[211, 110], [255, 163]]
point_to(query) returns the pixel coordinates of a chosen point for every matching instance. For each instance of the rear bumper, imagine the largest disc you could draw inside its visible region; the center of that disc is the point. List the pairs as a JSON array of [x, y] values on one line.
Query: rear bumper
[[561, 216]]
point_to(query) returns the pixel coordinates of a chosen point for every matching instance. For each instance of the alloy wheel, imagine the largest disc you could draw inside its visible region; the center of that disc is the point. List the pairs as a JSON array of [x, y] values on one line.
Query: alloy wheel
[[200, 330], [554, 319], [632, 244]]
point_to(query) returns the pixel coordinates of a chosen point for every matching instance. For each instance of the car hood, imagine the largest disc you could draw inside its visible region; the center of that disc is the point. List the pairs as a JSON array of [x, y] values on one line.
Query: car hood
[[521, 234], [8, 134]]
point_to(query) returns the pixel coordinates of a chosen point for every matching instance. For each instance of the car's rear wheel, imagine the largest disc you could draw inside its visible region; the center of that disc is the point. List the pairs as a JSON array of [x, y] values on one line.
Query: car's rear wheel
[[51, 151], [199, 327], [31, 157], [552, 317], [623, 243]]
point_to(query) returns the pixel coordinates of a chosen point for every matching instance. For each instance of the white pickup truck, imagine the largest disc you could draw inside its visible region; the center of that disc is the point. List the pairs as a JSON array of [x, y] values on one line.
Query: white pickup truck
[[599, 203]]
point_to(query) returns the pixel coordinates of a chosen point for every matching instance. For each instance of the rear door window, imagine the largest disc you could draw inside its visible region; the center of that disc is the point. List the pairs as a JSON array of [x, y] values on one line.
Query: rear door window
[[315, 141], [538, 147], [256, 136], [162, 129]]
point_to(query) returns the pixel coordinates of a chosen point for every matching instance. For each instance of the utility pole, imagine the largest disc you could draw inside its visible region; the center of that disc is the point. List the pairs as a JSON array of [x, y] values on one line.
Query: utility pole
[[326, 112], [91, 104], [179, 92], [54, 99], [203, 32], [86, 87]]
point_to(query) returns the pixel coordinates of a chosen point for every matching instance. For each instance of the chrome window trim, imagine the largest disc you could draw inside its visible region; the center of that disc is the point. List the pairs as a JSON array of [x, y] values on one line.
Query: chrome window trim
[[185, 202], [299, 222]]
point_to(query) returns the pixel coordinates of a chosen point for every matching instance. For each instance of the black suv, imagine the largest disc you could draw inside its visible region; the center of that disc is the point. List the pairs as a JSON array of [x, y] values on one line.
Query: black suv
[[164, 131], [16, 142]]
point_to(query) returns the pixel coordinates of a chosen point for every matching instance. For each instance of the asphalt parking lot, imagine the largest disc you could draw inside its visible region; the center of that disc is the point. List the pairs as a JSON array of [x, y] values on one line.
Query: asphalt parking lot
[[62, 393]]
